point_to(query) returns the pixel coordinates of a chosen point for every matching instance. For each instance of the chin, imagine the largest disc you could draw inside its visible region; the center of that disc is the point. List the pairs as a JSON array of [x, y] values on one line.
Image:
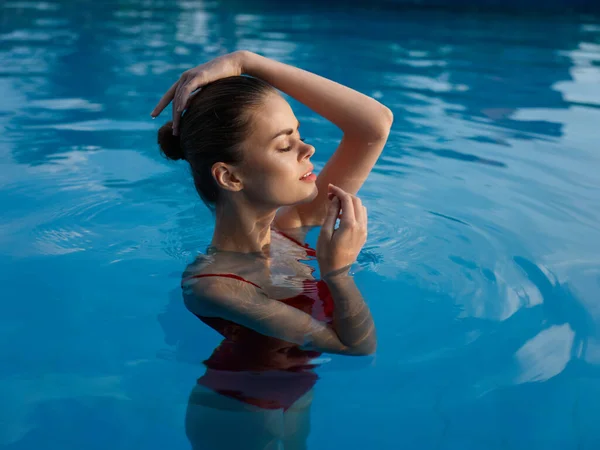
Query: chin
[[301, 199], [310, 197]]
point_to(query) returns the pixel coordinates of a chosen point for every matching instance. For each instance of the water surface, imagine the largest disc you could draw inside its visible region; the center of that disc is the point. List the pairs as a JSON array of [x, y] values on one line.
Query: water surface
[[481, 267]]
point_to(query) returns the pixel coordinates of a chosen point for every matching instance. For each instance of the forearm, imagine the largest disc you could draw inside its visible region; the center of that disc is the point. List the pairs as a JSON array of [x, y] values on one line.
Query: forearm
[[352, 318], [354, 113]]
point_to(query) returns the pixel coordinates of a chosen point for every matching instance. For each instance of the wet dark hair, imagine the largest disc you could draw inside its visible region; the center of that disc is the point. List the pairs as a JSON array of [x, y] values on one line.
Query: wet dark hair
[[212, 128]]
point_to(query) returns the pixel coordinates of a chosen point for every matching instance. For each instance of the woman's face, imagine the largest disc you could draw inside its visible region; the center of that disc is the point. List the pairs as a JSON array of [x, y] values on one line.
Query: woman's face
[[275, 158]]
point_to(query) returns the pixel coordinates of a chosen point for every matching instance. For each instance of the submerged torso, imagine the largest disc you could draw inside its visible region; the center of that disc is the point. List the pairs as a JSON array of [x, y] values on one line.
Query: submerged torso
[[257, 369]]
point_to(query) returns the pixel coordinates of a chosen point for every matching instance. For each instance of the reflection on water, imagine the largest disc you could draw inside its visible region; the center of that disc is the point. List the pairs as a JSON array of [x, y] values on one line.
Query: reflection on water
[[481, 266]]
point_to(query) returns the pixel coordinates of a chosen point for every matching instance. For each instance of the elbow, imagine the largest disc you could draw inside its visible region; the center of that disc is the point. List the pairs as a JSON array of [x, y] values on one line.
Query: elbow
[[389, 116], [384, 124], [374, 130]]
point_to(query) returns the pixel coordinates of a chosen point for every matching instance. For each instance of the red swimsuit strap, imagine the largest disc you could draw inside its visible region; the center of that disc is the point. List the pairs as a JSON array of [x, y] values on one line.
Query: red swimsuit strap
[[310, 251], [237, 277], [226, 275], [289, 237]]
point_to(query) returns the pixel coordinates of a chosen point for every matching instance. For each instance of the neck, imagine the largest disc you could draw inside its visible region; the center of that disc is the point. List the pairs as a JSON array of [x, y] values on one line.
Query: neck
[[243, 228]]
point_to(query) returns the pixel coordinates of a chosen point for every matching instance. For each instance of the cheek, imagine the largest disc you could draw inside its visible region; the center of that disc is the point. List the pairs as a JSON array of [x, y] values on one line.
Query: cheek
[[277, 180], [277, 171]]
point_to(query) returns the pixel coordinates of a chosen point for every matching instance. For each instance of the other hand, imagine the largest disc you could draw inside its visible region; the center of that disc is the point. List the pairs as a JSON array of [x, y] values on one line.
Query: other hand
[[338, 248]]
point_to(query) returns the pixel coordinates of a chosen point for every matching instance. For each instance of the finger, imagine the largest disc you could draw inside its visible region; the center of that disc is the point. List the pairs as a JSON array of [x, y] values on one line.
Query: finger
[[186, 93], [178, 93], [347, 210], [180, 87], [365, 223], [340, 193], [333, 210], [346, 201], [165, 100], [358, 209], [177, 103], [189, 99], [336, 190], [176, 117]]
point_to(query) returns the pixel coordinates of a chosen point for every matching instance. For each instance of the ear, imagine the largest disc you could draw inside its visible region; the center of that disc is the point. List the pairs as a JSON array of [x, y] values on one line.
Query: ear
[[227, 177]]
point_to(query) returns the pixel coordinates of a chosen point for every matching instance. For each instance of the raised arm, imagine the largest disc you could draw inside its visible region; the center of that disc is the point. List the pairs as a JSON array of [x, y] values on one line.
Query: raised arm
[[244, 304], [365, 122], [356, 114]]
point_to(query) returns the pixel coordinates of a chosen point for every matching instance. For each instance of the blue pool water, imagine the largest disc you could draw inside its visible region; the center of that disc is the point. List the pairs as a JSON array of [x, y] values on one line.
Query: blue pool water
[[482, 266]]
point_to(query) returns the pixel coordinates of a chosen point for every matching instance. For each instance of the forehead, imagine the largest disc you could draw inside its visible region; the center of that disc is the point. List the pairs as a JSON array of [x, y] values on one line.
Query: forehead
[[272, 117]]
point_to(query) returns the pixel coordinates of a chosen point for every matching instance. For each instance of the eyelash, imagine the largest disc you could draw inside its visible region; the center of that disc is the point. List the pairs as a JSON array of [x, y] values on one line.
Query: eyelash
[[287, 149]]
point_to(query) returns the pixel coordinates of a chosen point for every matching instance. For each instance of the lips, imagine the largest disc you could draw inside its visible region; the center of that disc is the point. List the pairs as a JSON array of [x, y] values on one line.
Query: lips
[[307, 172]]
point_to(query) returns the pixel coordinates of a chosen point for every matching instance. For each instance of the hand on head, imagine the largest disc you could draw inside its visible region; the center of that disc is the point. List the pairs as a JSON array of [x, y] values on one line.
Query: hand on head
[[191, 80]]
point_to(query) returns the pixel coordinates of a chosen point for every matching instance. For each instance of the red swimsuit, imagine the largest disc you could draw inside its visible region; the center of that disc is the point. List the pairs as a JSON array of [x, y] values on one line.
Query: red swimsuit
[[261, 370]]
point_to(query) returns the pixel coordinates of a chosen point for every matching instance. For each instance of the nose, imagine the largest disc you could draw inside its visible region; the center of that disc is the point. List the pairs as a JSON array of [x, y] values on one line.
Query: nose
[[307, 151]]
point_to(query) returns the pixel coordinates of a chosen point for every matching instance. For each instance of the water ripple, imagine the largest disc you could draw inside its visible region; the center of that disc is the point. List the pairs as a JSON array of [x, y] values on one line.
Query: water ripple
[[481, 262]]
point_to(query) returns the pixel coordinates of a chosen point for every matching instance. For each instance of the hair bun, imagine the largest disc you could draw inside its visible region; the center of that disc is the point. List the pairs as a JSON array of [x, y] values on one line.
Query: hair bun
[[170, 145]]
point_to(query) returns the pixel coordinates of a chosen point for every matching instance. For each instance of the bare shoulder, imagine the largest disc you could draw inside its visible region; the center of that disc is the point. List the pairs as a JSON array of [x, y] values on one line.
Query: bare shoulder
[[205, 289], [206, 264], [289, 221]]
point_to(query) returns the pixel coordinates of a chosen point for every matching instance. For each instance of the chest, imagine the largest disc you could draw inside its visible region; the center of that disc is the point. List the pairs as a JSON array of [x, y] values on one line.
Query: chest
[[289, 271], [286, 272]]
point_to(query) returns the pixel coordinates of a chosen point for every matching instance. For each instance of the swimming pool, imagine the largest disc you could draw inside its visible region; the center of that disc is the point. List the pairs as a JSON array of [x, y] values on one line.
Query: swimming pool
[[481, 267]]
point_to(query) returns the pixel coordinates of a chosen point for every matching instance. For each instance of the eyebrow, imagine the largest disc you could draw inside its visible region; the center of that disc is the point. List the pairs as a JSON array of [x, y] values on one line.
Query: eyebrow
[[288, 131]]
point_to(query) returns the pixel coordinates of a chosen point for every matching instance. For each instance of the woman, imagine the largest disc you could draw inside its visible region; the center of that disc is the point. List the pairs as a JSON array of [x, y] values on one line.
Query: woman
[[253, 170]]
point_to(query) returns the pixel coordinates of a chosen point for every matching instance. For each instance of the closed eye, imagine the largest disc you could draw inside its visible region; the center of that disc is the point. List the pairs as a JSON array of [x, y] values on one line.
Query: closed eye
[[287, 149]]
